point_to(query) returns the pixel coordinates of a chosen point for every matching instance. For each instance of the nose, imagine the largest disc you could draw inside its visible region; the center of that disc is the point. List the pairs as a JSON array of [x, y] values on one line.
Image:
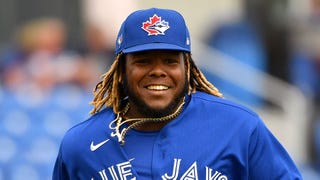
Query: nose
[[157, 69]]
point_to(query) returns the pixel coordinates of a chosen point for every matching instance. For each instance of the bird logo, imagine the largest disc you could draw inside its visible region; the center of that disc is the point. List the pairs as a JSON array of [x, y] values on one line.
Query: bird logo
[[155, 26]]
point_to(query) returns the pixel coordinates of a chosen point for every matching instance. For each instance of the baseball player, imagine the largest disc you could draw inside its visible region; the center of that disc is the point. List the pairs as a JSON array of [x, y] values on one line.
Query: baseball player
[[155, 116]]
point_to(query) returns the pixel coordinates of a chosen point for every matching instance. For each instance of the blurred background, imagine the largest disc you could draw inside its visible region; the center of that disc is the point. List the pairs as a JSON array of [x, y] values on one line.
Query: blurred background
[[264, 54]]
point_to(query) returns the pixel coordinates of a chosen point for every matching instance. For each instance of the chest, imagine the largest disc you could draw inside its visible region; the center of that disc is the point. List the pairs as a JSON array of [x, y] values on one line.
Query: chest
[[158, 156]]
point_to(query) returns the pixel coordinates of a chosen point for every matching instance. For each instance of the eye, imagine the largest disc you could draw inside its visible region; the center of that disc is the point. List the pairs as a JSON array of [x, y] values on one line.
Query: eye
[[172, 61]]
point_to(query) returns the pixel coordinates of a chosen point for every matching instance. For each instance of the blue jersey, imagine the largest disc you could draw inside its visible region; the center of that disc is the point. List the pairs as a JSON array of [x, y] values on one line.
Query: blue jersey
[[212, 139]]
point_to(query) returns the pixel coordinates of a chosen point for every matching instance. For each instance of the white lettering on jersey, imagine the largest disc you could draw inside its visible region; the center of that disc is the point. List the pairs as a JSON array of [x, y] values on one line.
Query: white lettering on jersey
[[175, 170], [192, 173], [103, 175], [113, 173], [216, 176], [123, 172]]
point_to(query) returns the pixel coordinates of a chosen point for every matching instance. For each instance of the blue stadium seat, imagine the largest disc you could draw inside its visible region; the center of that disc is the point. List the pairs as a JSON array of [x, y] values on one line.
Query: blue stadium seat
[[31, 130]]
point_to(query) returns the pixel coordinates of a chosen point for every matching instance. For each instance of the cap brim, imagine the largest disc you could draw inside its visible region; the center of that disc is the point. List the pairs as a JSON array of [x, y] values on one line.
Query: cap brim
[[154, 46]]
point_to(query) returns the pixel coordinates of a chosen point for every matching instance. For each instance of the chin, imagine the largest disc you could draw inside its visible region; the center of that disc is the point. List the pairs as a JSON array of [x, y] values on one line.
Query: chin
[[158, 106], [158, 112], [160, 109]]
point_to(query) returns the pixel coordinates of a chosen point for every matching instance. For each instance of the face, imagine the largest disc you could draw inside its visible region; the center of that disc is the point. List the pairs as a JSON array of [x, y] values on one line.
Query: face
[[155, 82]]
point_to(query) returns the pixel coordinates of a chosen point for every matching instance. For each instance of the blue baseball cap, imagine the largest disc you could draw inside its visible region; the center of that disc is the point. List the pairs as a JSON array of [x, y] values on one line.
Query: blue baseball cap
[[153, 29]]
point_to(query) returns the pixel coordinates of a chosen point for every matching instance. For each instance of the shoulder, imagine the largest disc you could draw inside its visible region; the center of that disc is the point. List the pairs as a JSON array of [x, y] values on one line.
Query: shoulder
[[93, 122], [205, 100], [219, 112], [95, 125]]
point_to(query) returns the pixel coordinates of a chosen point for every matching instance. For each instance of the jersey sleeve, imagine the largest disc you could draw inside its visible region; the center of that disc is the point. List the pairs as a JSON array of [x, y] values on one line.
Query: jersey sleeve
[[268, 159], [60, 172]]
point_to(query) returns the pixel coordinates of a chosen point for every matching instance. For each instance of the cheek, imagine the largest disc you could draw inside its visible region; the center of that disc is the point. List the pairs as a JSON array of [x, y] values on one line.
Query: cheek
[[181, 76], [183, 80], [132, 79]]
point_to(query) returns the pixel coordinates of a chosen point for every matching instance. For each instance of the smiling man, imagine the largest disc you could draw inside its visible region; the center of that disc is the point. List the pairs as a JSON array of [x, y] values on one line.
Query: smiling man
[[155, 81], [155, 116]]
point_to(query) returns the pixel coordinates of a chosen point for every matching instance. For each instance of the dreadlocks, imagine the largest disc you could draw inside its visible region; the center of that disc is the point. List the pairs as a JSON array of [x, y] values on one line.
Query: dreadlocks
[[109, 91]]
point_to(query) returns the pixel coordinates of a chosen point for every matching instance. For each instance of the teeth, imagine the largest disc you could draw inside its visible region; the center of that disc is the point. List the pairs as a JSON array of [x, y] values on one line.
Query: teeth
[[158, 87]]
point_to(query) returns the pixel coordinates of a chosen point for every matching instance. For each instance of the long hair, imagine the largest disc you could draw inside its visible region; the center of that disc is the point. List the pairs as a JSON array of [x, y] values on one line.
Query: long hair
[[109, 92]]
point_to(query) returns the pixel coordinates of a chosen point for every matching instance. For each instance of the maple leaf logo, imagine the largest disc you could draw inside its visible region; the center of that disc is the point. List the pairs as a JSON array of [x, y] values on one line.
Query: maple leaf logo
[[155, 25]]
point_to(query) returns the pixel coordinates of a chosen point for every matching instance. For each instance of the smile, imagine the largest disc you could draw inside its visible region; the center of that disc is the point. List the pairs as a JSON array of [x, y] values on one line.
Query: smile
[[158, 87]]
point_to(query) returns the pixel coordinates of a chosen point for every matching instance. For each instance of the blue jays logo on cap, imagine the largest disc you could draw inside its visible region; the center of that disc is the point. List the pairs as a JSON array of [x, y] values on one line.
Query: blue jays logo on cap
[[153, 29], [155, 26]]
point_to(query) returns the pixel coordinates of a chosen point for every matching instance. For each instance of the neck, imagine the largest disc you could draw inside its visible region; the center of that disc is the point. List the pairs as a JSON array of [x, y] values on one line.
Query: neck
[[151, 124], [144, 124]]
